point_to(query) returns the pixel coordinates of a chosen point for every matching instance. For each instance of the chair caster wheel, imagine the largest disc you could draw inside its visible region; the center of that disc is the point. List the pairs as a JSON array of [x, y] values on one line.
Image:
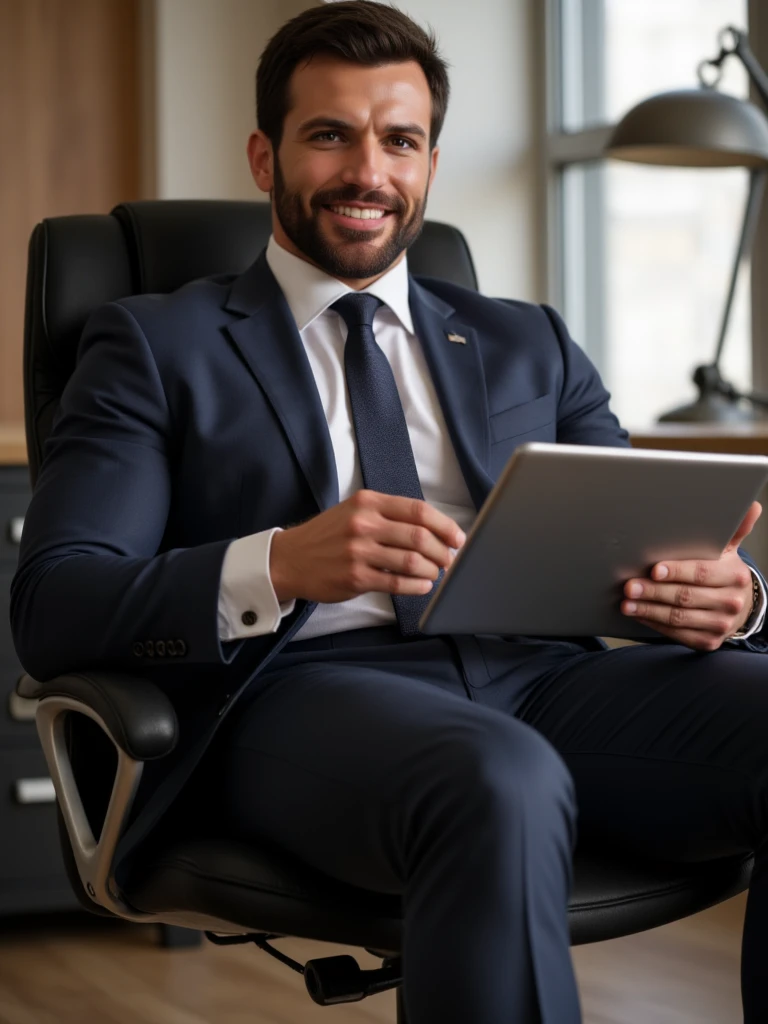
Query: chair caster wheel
[[173, 936]]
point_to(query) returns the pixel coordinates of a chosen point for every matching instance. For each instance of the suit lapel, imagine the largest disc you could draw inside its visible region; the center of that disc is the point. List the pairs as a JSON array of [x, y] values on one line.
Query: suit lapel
[[271, 346], [457, 372]]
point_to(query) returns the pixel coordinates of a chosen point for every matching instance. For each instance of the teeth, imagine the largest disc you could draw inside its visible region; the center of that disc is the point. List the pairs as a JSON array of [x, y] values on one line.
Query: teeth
[[366, 213]]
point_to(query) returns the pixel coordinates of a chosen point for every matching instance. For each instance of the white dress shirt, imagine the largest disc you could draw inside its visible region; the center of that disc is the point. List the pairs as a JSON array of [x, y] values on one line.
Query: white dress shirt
[[245, 581]]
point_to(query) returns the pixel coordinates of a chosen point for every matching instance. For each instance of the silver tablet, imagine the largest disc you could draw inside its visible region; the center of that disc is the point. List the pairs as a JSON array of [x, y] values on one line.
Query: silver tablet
[[567, 525]]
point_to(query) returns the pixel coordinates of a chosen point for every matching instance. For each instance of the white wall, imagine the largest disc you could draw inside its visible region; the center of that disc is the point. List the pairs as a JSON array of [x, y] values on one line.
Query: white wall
[[205, 55], [486, 180]]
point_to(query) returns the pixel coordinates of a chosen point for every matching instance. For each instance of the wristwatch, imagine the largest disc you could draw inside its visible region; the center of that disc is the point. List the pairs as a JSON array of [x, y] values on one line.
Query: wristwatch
[[747, 627]]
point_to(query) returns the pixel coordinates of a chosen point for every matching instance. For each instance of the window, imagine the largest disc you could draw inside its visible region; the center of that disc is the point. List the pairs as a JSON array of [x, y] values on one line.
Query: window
[[641, 256]]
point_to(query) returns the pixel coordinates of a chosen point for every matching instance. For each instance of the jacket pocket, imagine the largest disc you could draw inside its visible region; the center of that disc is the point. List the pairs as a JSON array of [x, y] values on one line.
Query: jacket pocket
[[519, 419]]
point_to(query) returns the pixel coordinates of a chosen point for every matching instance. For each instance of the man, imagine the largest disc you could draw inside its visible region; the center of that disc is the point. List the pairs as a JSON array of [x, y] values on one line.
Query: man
[[250, 490]]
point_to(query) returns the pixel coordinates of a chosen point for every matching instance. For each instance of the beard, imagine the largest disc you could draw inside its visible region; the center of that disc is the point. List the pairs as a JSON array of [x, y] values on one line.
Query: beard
[[348, 258]]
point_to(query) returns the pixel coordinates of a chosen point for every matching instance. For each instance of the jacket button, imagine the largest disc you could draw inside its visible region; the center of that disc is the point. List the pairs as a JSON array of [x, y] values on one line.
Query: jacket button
[[149, 649], [249, 618], [170, 646], [160, 648], [181, 648], [138, 648]]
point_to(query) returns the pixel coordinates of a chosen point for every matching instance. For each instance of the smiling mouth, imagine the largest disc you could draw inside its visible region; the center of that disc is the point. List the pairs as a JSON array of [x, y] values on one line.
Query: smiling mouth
[[359, 212], [368, 216]]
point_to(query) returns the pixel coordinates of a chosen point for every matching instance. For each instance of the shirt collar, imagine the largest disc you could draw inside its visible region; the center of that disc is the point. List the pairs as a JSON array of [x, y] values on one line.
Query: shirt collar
[[309, 291]]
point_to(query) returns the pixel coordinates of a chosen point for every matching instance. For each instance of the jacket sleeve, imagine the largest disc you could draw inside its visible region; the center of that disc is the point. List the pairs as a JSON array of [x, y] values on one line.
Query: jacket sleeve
[[757, 641], [583, 412], [91, 589]]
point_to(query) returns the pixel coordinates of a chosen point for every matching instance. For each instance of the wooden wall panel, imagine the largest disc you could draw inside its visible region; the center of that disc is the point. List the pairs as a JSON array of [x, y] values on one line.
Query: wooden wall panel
[[69, 136]]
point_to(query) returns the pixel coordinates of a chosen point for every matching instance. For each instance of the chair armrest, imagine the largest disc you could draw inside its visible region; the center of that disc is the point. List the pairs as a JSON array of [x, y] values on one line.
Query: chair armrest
[[137, 714], [141, 723]]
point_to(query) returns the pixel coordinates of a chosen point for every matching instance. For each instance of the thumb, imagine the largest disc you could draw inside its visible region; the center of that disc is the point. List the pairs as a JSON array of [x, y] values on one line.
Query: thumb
[[745, 527]]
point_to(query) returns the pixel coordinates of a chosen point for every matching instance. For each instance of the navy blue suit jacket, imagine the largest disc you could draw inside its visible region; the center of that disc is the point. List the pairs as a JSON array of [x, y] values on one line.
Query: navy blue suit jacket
[[192, 419]]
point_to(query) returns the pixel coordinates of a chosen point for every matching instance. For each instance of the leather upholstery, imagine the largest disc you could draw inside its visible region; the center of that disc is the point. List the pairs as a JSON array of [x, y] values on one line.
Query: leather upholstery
[[138, 714], [79, 263], [249, 886]]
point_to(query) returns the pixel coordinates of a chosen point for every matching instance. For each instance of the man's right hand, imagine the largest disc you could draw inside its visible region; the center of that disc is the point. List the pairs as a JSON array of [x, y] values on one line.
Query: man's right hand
[[371, 541]]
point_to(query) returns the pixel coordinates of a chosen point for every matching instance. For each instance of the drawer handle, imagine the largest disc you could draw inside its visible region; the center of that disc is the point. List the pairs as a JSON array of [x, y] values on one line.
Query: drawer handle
[[15, 526], [34, 791], [21, 709]]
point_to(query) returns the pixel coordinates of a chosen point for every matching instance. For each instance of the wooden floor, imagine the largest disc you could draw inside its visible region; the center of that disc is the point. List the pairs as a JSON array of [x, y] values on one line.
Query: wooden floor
[[65, 971]]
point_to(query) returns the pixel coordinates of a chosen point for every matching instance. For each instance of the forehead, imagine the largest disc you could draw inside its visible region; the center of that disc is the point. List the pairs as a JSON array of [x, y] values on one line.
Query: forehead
[[335, 88]]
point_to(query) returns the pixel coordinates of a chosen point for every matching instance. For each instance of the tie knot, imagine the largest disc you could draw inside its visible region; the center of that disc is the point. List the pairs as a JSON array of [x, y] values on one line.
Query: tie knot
[[357, 309]]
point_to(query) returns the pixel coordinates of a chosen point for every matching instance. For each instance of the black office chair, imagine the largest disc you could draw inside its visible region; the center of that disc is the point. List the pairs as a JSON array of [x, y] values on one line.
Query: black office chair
[[236, 892]]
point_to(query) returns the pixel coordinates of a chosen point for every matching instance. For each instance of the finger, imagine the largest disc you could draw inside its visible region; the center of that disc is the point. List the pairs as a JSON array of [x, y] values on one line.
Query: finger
[[679, 618], [696, 639], [685, 595], [409, 537], [727, 571], [746, 526], [420, 513], [402, 562], [393, 583]]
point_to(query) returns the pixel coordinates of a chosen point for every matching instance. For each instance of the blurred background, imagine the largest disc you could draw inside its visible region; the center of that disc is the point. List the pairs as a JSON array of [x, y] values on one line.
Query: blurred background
[[103, 101]]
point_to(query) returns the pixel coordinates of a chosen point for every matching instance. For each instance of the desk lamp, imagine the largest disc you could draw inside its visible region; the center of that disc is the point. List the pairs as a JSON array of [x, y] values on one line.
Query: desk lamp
[[706, 128]]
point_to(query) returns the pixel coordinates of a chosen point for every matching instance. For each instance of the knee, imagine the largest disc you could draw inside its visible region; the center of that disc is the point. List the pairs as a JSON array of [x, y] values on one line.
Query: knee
[[504, 769]]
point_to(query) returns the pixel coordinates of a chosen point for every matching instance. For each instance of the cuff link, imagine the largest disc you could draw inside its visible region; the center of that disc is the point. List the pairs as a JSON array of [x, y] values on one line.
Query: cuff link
[[249, 618]]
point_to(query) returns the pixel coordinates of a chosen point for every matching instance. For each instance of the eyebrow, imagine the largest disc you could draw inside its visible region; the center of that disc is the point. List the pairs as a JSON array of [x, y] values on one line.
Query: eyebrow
[[409, 128]]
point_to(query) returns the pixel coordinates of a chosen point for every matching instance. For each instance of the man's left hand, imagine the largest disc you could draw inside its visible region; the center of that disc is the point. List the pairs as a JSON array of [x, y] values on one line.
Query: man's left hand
[[697, 603]]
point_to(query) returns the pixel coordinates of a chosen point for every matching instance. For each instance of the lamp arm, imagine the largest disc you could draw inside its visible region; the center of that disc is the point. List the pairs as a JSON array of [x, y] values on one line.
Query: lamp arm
[[757, 180], [757, 75]]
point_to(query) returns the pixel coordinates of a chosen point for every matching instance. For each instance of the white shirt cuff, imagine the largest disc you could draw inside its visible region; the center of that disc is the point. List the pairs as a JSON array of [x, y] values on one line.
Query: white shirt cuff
[[758, 617], [248, 605]]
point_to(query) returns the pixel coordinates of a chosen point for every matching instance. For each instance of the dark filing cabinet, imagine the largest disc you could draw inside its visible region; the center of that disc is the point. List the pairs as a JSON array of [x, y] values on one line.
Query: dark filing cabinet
[[32, 876]]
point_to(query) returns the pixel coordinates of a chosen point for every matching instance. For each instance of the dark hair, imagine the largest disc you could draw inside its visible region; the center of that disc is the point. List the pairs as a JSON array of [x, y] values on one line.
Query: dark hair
[[359, 31]]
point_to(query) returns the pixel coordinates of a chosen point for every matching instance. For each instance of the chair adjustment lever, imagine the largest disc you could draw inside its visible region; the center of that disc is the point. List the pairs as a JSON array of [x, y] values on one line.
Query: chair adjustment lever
[[330, 979], [340, 979]]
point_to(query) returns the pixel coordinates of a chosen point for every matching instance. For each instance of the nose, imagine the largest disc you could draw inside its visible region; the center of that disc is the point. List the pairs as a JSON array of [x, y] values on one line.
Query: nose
[[365, 165]]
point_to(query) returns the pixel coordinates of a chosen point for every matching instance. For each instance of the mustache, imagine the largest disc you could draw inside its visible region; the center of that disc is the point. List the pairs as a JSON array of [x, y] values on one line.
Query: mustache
[[339, 196]]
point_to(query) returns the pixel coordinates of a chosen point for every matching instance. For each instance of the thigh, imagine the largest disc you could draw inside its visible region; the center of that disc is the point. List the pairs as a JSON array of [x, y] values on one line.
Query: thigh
[[666, 746], [337, 760]]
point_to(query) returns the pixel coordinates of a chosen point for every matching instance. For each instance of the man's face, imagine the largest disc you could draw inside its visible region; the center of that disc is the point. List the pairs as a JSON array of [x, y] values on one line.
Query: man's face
[[350, 179]]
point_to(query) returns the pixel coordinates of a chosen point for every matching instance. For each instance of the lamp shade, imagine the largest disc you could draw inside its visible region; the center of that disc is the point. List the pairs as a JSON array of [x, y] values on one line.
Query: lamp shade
[[692, 128]]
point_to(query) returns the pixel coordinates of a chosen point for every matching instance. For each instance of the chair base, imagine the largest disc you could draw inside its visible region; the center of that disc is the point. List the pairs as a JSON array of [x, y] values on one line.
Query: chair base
[[330, 980], [401, 1018], [173, 936]]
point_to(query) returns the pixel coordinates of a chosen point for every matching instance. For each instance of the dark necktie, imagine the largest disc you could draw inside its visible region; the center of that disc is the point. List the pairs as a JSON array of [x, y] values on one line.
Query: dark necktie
[[384, 447]]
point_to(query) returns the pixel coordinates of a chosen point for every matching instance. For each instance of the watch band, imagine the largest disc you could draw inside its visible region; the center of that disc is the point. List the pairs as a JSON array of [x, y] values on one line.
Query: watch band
[[742, 633]]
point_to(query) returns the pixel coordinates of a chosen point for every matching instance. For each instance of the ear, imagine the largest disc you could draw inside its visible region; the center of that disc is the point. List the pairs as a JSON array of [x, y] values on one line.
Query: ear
[[433, 166], [260, 159]]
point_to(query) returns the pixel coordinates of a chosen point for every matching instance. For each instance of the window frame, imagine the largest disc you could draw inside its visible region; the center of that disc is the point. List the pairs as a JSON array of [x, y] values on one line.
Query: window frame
[[561, 149]]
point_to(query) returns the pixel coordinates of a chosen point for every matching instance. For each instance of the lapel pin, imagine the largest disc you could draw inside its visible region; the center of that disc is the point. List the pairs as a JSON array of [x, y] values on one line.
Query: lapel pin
[[457, 338]]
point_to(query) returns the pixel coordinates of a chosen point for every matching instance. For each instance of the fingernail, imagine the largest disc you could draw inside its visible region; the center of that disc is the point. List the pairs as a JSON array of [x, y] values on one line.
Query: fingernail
[[661, 572], [460, 538], [630, 607], [634, 590]]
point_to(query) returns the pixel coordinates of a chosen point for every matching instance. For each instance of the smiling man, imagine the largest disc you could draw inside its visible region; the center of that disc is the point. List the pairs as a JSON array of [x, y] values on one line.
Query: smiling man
[[275, 468]]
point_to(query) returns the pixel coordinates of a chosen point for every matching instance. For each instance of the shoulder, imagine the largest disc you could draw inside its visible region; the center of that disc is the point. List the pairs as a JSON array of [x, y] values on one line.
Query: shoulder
[[480, 311], [202, 298]]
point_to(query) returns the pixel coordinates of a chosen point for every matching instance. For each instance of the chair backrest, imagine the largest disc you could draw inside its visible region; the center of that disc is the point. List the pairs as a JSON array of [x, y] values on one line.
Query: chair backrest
[[78, 263]]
